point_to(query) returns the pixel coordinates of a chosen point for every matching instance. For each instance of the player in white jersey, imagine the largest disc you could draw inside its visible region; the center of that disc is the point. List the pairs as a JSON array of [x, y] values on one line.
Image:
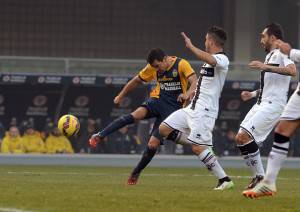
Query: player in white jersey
[[289, 122], [194, 124], [276, 73]]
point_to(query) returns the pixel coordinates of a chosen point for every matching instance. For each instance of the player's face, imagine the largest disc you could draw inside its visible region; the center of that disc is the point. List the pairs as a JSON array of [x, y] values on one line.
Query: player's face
[[160, 66], [265, 40]]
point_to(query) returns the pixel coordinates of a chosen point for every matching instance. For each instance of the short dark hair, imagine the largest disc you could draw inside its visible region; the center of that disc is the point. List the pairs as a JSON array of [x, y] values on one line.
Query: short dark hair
[[218, 34], [156, 54], [275, 29]]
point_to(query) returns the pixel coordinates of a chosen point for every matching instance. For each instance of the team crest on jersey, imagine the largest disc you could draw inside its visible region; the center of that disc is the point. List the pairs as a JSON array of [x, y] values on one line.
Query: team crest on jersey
[[175, 73]]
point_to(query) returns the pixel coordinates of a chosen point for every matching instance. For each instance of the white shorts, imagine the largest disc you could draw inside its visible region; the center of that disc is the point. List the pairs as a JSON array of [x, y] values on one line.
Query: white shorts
[[197, 125], [292, 109], [261, 119]]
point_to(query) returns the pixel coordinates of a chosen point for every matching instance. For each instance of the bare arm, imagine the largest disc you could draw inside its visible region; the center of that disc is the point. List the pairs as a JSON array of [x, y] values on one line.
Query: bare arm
[[193, 84], [131, 85], [247, 95], [288, 70], [202, 55], [192, 79]]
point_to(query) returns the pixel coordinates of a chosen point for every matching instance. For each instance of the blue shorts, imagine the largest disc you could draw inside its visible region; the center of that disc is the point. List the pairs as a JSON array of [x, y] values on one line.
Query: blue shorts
[[159, 109]]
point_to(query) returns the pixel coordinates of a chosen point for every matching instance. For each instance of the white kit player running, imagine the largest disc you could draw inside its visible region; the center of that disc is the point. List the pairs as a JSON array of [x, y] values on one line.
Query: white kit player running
[[276, 73], [194, 124], [289, 122]]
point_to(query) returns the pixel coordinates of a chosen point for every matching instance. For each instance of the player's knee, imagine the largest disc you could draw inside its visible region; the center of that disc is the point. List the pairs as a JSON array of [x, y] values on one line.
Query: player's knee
[[139, 113], [164, 130], [280, 129], [242, 138], [198, 149], [153, 143]]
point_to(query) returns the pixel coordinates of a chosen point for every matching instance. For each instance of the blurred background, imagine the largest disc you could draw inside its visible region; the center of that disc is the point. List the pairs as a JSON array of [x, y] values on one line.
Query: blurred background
[[74, 56]]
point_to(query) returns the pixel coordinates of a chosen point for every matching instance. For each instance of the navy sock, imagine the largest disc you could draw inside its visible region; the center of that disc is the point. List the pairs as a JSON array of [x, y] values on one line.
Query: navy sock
[[116, 124], [146, 158]]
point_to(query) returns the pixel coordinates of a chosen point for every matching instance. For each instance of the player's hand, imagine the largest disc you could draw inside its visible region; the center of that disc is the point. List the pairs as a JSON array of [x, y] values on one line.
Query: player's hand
[[94, 140], [187, 40], [118, 100], [257, 65], [284, 47], [183, 97], [246, 95]]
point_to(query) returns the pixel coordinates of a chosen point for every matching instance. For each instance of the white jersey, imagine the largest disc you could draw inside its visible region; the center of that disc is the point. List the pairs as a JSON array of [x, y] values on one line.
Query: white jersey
[[292, 109], [274, 86], [295, 55], [209, 86]]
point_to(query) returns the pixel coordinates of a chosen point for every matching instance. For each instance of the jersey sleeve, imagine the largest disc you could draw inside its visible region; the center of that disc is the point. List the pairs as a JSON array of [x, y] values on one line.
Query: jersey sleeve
[[147, 74], [295, 55], [185, 68], [222, 60], [286, 60]]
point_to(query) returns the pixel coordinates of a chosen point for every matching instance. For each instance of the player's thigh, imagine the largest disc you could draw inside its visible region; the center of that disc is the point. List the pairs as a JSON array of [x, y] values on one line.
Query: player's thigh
[[292, 109], [178, 121], [201, 129], [262, 121], [250, 114], [287, 127]]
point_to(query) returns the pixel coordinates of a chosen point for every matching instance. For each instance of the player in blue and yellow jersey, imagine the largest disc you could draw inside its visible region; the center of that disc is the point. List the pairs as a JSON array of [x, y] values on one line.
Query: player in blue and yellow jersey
[[173, 75]]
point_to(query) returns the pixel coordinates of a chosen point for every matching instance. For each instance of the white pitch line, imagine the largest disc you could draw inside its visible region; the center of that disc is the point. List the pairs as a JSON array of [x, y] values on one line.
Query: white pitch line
[[12, 210], [126, 174]]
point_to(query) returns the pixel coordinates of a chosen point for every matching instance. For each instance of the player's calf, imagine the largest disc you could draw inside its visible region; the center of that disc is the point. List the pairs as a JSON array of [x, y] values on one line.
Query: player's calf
[[212, 164]]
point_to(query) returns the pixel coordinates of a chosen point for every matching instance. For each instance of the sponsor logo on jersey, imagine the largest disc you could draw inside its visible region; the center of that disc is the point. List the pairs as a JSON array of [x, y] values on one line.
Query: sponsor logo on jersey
[[207, 71]]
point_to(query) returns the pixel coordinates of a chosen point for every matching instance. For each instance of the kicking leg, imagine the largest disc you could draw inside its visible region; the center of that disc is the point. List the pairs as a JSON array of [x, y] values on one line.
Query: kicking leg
[[138, 114]]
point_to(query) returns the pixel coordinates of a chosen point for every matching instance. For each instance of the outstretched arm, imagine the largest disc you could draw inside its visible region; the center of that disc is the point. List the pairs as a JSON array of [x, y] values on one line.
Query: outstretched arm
[[202, 55], [287, 70], [131, 85]]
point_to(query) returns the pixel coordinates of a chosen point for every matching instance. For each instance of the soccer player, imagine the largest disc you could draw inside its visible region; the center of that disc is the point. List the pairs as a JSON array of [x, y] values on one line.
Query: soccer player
[[276, 73], [172, 75], [289, 122], [194, 124]]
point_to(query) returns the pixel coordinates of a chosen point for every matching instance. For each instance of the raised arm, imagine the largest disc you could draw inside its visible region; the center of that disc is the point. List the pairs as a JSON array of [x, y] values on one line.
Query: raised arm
[[202, 55]]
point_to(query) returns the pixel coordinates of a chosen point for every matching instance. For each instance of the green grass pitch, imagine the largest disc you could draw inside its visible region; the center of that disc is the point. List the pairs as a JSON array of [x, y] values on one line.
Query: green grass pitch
[[58, 188]]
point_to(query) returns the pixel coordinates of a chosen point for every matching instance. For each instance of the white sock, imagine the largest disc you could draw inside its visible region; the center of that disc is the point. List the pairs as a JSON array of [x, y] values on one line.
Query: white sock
[[275, 161], [248, 163], [212, 164], [256, 164]]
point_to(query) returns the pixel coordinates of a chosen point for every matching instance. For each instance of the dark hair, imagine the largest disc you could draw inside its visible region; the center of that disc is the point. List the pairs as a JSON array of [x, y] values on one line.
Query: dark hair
[[156, 54], [218, 34], [275, 29]]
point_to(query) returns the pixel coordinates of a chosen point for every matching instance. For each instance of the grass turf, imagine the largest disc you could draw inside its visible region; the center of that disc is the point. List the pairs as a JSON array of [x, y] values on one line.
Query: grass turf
[[53, 188]]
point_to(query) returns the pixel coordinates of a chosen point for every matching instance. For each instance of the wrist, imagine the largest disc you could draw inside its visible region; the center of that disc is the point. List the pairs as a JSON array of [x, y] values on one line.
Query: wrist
[[253, 94]]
